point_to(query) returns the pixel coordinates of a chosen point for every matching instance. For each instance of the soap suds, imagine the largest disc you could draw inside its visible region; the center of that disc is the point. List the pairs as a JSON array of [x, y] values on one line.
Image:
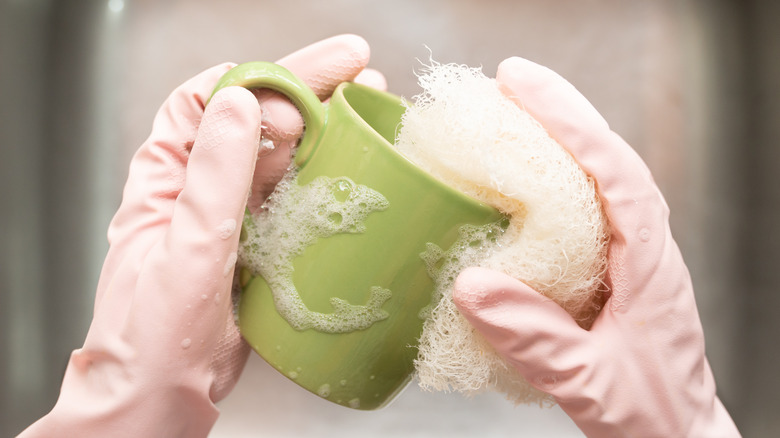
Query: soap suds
[[293, 218]]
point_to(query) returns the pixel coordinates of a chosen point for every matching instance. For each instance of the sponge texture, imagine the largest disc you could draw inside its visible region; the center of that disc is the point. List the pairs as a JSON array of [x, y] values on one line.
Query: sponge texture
[[466, 132]]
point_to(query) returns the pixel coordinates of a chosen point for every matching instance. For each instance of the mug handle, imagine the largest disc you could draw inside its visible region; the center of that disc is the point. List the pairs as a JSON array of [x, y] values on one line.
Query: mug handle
[[253, 75]]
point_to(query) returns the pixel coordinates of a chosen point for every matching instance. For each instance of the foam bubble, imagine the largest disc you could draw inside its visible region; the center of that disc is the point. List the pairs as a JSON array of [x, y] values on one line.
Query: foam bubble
[[230, 263], [324, 390], [293, 218], [226, 229]]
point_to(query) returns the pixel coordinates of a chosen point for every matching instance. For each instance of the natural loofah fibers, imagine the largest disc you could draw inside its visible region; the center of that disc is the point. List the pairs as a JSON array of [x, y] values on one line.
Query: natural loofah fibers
[[465, 131]]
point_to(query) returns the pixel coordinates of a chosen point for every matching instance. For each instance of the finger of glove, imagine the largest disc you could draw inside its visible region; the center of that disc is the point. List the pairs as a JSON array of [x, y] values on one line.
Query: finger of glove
[[372, 78], [186, 278], [322, 66], [228, 360], [531, 331], [635, 207], [158, 169]]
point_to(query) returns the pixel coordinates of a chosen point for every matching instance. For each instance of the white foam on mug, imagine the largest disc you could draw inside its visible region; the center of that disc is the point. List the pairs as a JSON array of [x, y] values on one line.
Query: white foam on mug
[[293, 218]]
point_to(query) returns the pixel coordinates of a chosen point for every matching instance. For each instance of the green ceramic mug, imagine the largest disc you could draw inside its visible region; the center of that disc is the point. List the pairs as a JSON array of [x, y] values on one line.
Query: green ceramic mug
[[348, 141]]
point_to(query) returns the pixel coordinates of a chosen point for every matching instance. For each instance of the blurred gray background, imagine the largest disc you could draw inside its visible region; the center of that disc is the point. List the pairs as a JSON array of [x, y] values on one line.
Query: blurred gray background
[[692, 85]]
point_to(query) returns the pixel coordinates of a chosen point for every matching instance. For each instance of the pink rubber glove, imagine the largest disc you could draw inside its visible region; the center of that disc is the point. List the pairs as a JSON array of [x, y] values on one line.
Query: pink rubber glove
[[641, 370], [163, 347]]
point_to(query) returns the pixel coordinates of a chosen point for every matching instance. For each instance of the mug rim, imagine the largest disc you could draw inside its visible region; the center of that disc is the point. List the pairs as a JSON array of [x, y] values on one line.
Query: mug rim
[[340, 98]]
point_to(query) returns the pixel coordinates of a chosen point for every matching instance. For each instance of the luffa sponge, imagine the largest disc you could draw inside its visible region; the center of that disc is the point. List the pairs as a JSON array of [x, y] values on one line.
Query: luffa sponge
[[463, 130]]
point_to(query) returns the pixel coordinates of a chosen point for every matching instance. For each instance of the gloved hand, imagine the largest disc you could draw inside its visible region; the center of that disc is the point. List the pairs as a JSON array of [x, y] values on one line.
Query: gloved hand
[[641, 370], [162, 347]]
